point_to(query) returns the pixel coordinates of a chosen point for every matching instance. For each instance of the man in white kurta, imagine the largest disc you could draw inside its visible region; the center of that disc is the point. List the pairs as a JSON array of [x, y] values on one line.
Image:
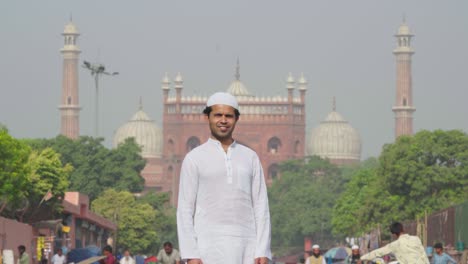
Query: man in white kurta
[[223, 214]]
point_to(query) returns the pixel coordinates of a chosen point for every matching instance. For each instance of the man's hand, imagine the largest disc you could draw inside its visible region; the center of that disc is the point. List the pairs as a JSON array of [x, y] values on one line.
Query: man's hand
[[262, 260], [194, 261]]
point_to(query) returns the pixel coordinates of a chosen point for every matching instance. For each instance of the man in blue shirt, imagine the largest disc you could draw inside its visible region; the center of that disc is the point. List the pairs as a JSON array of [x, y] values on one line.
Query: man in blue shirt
[[440, 257]]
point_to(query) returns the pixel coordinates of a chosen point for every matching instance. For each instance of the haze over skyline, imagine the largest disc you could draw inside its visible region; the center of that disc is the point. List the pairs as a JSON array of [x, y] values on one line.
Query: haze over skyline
[[344, 50]]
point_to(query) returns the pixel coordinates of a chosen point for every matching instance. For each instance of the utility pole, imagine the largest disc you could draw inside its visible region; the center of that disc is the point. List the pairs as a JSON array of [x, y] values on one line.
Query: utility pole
[[97, 70]]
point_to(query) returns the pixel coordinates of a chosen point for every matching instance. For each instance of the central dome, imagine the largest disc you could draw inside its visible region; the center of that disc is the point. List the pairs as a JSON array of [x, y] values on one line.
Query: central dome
[[336, 140], [237, 88], [147, 135]]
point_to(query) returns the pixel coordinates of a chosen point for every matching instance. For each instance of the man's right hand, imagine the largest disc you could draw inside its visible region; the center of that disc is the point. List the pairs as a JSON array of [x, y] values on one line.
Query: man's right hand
[[194, 261]]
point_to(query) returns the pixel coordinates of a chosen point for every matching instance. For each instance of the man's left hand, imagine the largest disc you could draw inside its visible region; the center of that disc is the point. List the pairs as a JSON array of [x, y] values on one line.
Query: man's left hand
[[262, 260]]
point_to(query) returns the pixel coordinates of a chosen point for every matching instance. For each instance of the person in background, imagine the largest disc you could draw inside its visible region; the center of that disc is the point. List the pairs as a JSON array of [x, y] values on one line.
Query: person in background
[[168, 255], [59, 258], [44, 259], [316, 257], [23, 256], [109, 259], [440, 257], [407, 249], [127, 258], [355, 257]]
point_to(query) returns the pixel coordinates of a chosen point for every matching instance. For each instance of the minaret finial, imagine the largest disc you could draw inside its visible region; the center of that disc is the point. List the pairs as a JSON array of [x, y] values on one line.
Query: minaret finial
[[404, 18], [237, 70], [71, 17], [140, 107], [334, 104]]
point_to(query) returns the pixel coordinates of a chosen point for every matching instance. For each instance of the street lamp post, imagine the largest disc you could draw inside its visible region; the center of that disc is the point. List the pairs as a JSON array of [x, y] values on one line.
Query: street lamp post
[[97, 70]]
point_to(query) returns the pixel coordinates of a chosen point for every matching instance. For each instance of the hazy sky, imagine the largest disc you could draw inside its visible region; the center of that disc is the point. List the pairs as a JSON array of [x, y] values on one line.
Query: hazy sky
[[344, 49]]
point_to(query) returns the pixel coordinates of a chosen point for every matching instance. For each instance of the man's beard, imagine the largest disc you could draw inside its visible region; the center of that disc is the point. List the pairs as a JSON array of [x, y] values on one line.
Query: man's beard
[[316, 255]]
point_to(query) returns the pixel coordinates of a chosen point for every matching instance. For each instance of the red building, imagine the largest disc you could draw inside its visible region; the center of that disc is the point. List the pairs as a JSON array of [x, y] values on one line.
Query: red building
[[273, 126]]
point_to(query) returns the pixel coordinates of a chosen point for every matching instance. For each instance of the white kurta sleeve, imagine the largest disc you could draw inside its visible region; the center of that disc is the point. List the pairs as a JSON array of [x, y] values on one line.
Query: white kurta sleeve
[[261, 211], [186, 209]]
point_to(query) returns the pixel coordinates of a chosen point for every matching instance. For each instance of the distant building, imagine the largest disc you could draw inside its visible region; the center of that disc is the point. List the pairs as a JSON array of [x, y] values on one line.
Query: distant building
[[273, 126], [149, 136], [70, 106], [78, 227], [403, 108], [336, 140]]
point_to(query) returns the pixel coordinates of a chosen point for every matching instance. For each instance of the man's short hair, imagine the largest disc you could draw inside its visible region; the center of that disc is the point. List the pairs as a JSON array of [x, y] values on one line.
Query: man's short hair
[[167, 243], [107, 248], [22, 247], [438, 245], [396, 228], [208, 110]]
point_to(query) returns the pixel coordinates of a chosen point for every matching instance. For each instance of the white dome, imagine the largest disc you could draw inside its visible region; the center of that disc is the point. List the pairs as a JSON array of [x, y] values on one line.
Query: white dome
[[146, 134], [335, 139], [237, 88]]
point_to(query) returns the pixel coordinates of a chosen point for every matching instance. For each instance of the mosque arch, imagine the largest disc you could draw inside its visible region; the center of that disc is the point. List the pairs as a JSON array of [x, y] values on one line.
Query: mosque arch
[[297, 145], [192, 143], [274, 144], [170, 172], [273, 171], [170, 146]]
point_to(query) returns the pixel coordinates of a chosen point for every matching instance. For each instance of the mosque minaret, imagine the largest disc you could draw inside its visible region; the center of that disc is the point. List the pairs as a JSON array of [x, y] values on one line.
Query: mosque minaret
[[69, 107], [403, 108]]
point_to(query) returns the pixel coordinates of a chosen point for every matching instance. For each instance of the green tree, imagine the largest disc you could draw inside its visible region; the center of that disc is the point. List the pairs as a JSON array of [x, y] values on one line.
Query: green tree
[[97, 168], [167, 222], [137, 223], [13, 171], [47, 184], [349, 210], [416, 174], [425, 172], [302, 199]]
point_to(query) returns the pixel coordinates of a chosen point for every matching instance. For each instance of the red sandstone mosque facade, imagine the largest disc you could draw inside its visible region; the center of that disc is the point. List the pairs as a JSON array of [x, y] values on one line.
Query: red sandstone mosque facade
[[273, 126]]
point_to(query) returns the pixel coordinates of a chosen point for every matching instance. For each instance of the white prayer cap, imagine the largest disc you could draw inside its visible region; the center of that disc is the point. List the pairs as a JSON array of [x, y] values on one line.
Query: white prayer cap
[[355, 247], [221, 98], [315, 246]]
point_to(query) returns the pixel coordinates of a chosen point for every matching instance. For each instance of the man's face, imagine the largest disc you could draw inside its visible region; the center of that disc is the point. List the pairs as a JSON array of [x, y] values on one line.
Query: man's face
[[168, 249], [222, 120], [316, 251], [438, 250], [59, 252], [355, 252], [21, 251], [126, 253]]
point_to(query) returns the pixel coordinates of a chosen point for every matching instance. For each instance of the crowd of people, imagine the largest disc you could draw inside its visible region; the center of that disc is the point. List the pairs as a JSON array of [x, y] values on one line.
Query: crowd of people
[[167, 255]]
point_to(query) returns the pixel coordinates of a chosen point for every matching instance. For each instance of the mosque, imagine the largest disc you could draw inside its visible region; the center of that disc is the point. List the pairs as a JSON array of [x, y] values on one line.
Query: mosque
[[273, 126]]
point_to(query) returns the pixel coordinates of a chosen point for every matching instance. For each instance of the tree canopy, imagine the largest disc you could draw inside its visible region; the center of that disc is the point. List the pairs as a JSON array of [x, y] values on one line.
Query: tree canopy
[[140, 225], [96, 168], [416, 174], [13, 170], [302, 199], [33, 182]]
